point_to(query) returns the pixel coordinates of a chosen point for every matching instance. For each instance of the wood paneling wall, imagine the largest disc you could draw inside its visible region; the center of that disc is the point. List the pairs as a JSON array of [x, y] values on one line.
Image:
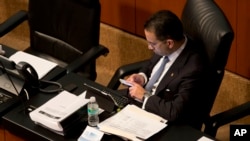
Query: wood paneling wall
[[243, 38], [130, 15], [119, 13], [145, 8]]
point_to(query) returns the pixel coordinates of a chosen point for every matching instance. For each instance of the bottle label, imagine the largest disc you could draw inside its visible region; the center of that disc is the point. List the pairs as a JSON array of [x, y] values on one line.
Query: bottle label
[[92, 111]]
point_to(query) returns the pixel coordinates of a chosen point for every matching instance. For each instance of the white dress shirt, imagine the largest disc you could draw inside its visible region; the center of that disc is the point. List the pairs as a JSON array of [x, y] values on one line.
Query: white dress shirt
[[172, 57]]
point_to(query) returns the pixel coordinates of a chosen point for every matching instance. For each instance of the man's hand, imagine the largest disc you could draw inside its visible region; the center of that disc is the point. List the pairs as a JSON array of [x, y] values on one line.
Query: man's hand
[[136, 91], [136, 78]]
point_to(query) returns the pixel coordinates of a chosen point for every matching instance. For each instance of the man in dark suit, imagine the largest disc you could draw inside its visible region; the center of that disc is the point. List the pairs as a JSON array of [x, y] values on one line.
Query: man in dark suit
[[177, 93]]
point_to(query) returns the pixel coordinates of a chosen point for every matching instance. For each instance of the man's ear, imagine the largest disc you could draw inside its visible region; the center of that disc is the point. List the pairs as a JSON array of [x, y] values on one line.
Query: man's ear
[[170, 43]]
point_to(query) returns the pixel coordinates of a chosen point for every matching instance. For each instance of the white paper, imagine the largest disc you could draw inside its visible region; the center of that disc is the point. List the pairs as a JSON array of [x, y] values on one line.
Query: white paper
[[57, 109], [41, 65], [91, 134], [203, 138], [133, 122]]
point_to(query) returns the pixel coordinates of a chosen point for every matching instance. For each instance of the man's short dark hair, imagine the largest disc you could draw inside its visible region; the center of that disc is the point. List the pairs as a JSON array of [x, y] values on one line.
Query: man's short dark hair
[[165, 24]]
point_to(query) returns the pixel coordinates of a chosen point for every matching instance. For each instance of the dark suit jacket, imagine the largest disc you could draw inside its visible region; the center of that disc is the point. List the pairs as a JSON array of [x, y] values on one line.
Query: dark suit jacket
[[179, 95]]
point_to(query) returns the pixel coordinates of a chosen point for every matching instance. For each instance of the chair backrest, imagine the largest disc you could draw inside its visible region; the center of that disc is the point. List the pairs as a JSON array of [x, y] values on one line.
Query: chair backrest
[[65, 29], [205, 23]]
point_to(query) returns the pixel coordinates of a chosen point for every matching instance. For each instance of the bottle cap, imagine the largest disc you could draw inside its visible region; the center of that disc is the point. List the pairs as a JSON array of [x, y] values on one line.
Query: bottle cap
[[92, 99]]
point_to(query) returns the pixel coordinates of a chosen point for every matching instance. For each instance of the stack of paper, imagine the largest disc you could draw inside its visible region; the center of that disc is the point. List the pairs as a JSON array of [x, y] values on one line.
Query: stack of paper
[[41, 65], [133, 123], [53, 112]]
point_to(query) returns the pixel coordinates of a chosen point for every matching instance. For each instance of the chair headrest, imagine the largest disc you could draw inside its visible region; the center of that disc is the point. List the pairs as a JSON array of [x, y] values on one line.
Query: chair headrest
[[206, 24]]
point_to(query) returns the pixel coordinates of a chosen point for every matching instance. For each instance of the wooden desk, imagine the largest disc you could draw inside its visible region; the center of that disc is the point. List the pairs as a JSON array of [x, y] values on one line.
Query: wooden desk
[[18, 122]]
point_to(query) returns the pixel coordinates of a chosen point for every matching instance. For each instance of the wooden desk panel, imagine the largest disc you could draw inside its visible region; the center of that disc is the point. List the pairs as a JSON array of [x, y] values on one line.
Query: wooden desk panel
[[12, 137]]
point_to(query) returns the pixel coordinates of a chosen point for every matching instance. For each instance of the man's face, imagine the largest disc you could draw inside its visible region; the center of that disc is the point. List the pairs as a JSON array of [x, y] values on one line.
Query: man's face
[[158, 47]]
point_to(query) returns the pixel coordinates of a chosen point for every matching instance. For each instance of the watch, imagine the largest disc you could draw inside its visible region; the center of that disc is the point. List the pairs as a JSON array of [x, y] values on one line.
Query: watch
[[146, 95]]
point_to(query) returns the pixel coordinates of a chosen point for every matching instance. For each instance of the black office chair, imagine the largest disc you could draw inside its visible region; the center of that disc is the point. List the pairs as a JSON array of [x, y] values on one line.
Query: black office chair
[[207, 25], [63, 31]]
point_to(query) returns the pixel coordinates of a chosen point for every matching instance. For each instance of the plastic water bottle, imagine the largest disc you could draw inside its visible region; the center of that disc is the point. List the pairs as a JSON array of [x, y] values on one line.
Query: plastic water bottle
[[93, 111]]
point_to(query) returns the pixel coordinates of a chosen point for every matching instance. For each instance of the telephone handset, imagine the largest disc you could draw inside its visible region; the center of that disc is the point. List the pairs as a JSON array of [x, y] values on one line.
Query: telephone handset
[[31, 78], [28, 73]]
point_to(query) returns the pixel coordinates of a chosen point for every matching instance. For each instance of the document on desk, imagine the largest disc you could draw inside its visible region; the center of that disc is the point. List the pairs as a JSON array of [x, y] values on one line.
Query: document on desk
[[51, 113], [41, 65], [133, 123]]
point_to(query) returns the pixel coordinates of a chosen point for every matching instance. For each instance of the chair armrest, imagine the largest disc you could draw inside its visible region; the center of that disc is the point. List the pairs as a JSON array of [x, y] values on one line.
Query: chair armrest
[[93, 53], [218, 120], [13, 22], [123, 71]]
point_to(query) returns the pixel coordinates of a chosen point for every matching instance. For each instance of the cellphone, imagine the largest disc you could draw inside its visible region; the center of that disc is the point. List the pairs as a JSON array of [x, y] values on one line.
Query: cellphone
[[125, 82]]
